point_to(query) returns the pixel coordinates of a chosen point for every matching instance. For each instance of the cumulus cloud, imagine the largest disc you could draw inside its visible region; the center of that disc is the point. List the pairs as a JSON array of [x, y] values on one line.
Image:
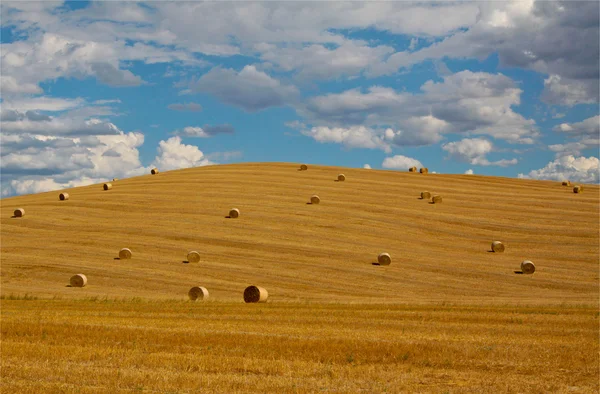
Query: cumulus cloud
[[586, 134], [473, 151], [588, 127], [191, 107], [249, 89], [352, 137], [577, 169], [465, 102], [469, 172], [400, 162], [172, 154], [367, 166]]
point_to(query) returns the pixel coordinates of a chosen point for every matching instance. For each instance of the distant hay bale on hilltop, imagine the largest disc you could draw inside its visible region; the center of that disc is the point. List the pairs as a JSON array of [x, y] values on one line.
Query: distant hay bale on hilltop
[[115, 179], [527, 267], [125, 254], [341, 177], [19, 212], [424, 170], [412, 169], [63, 196], [314, 199], [79, 280], [255, 294], [436, 199], [577, 189], [198, 293], [107, 186], [303, 167], [234, 213], [384, 259], [154, 171], [425, 195], [193, 257], [566, 183], [497, 247]]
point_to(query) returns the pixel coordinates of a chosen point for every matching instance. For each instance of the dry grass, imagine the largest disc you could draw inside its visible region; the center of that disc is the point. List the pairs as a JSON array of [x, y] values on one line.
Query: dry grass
[[503, 333], [217, 347]]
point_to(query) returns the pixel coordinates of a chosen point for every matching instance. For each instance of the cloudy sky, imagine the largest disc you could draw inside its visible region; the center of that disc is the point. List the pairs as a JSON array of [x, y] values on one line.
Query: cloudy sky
[[96, 90]]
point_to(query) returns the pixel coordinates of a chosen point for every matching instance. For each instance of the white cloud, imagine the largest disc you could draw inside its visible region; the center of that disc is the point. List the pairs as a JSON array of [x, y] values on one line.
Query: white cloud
[[575, 169], [250, 89], [566, 91], [352, 137], [469, 172], [589, 127], [400, 162], [367, 166], [172, 154], [45, 103], [9, 85], [192, 107], [465, 102], [206, 131], [473, 151]]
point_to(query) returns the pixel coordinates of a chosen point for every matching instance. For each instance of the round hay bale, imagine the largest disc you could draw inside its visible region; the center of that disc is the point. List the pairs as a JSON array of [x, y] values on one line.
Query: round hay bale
[[497, 247], [198, 293], [425, 195], [566, 183], [577, 189], [193, 257], [234, 213], [255, 294], [154, 171], [527, 267], [424, 170], [384, 259], [19, 212], [115, 179], [124, 254], [314, 199], [79, 280], [436, 199], [303, 167], [412, 169], [63, 196], [107, 186], [341, 177]]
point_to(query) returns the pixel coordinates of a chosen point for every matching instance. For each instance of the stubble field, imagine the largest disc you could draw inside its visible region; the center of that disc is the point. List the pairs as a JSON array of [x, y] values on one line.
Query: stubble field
[[446, 316]]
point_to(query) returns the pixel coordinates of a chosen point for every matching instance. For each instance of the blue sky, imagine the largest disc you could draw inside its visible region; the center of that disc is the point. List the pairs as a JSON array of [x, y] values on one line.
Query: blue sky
[[96, 90]]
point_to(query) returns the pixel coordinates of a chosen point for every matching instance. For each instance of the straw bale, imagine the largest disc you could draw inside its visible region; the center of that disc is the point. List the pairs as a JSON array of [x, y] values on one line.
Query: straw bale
[[314, 199], [303, 167], [497, 247], [107, 186], [527, 267], [115, 179], [424, 170], [198, 293], [425, 195], [63, 196], [124, 254], [436, 199], [384, 259], [234, 213], [154, 171], [193, 257], [566, 183], [341, 177], [19, 212], [412, 169], [255, 294], [577, 189], [79, 280]]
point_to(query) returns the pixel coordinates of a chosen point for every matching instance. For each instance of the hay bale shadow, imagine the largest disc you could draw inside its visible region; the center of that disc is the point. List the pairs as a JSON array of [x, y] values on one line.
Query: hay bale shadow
[[13, 216], [518, 272], [431, 202], [335, 180], [68, 286], [117, 258], [375, 263], [185, 262], [490, 251], [227, 217], [309, 203]]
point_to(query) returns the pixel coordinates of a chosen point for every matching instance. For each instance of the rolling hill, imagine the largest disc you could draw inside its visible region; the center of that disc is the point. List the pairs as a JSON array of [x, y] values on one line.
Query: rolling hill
[[303, 252]]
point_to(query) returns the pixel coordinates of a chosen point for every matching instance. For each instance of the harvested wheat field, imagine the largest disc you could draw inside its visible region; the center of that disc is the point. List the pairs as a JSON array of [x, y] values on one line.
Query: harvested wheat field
[[448, 315]]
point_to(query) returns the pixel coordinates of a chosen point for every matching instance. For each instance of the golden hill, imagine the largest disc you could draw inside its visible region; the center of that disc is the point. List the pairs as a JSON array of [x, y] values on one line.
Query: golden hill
[[440, 252]]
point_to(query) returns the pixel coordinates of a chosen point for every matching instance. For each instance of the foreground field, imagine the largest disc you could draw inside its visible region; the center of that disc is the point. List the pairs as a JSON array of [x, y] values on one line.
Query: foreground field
[[96, 346], [447, 315]]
